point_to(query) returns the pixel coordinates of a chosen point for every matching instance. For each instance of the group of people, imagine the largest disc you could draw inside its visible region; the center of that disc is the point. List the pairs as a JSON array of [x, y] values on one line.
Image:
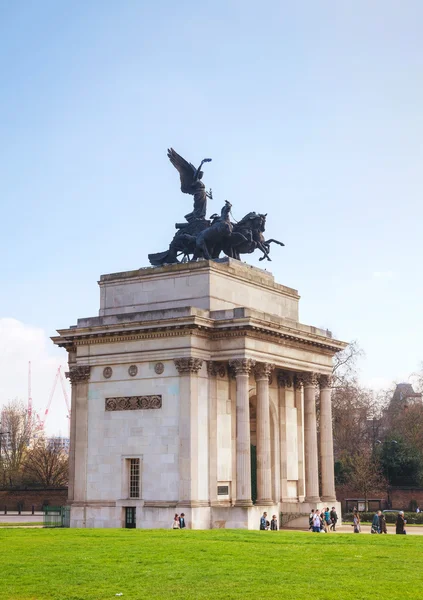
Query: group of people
[[179, 521], [323, 521], [379, 523], [266, 525]]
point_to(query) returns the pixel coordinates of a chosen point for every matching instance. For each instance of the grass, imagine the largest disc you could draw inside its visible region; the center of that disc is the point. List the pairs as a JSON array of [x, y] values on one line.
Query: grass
[[95, 564]]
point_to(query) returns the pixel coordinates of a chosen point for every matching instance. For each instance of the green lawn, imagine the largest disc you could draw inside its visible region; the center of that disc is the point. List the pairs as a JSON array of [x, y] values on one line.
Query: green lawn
[[94, 564]]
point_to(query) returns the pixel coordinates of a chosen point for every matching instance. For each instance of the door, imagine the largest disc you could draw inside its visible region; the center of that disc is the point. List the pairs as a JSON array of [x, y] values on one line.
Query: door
[[130, 522]]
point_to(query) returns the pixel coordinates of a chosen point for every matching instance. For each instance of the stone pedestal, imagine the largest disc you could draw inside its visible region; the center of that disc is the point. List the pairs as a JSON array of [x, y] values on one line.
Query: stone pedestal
[[177, 404]]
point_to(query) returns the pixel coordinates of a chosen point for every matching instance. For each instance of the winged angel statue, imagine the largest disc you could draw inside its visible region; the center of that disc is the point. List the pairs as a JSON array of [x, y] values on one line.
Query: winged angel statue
[[191, 183], [206, 238]]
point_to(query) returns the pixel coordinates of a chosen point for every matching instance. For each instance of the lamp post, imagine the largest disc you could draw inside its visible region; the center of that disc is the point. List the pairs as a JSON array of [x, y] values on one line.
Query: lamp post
[[387, 467]]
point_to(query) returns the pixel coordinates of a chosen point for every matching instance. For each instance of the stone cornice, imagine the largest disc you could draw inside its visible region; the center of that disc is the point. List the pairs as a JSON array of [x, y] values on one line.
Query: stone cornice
[[208, 328]]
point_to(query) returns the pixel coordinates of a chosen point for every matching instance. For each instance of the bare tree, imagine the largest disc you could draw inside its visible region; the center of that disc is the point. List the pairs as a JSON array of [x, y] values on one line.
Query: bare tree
[[47, 463], [365, 475], [16, 428], [344, 370]]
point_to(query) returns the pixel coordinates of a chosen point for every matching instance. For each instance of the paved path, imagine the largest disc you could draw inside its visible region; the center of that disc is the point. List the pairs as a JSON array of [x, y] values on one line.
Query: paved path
[[23, 518], [366, 530]]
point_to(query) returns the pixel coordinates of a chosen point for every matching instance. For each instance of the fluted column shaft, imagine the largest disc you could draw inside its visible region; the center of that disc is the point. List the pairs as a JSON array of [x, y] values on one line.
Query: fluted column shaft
[[310, 439], [242, 369], [79, 376], [264, 461], [326, 440]]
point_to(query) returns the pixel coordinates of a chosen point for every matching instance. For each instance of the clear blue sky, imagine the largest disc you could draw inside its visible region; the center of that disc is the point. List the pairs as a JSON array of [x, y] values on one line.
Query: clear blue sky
[[311, 113]]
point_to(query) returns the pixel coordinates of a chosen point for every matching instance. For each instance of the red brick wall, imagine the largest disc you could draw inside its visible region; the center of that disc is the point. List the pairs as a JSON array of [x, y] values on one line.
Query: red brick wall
[[400, 497], [11, 498]]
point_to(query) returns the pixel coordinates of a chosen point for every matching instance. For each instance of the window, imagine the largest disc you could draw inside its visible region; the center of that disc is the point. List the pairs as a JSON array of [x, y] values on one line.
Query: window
[[134, 477]]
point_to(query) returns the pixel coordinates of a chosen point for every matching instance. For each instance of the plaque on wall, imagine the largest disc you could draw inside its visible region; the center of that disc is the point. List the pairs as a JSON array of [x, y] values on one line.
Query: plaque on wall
[[223, 490]]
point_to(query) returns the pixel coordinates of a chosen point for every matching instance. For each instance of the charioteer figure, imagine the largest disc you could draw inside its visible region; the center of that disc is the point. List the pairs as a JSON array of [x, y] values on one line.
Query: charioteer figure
[[202, 238]]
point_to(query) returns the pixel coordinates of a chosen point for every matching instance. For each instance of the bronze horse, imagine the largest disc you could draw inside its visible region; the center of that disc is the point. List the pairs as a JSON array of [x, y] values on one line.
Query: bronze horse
[[251, 227]]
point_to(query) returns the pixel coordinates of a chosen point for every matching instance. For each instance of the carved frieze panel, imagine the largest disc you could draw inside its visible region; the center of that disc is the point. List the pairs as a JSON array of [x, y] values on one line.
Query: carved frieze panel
[[133, 403]]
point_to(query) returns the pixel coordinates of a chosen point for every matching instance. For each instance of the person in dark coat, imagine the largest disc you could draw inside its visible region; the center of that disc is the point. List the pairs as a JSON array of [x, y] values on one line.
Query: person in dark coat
[[333, 518], [400, 524], [182, 521], [382, 523], [274, 523]]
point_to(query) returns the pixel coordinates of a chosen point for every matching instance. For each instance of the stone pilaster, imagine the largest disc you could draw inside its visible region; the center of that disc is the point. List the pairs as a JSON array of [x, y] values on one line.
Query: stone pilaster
[[79, 376], [299, 405], [188, 369], [326, 440], [242, 368], [264, 461], [288, 436], [310, 439], [212, 371]]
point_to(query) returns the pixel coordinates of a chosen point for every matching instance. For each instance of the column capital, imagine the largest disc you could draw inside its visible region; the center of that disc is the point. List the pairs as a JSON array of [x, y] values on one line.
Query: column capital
[[242, 365], [325, 381], [215, 368], [188, 364], [263, 370], [78, 374], [285, 379], [310, 380], [298, 381]]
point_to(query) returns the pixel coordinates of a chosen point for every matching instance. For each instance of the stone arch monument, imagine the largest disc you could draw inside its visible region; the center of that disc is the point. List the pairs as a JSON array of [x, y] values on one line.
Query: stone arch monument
[[184, 367]]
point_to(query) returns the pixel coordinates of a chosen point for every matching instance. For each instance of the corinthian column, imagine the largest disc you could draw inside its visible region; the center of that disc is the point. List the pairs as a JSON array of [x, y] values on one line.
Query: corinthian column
[[264, 462], [242, 369], [310, 439], [326, 440], [79, 376]]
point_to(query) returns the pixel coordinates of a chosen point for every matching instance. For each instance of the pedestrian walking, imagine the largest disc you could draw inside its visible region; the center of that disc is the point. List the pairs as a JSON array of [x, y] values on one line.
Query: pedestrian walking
[[263, 521], [176, 524], [382, 523], [356, 522], [316, 522], [376, 523], [182, 521], [274, 523], [400, 524], [310, 519], [327, 519], [333, 518]]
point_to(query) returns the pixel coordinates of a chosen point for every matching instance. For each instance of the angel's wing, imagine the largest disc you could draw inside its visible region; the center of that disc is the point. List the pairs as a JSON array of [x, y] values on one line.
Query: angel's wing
[[186, 171]]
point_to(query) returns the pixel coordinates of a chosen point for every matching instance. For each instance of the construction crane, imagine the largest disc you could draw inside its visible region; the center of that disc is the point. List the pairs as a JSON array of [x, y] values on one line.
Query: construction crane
[[40, 421], [29, 393]]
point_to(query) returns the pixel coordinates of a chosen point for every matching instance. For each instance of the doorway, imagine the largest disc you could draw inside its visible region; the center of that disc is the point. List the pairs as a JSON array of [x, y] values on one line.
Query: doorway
[[130, 513]]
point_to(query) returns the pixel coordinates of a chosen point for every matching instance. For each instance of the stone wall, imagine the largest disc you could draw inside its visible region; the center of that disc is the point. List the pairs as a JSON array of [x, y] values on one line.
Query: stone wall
[[32, 497]]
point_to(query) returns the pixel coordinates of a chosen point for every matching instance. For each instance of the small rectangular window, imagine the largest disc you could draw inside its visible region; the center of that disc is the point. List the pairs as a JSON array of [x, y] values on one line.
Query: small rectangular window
[[134, 478]]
